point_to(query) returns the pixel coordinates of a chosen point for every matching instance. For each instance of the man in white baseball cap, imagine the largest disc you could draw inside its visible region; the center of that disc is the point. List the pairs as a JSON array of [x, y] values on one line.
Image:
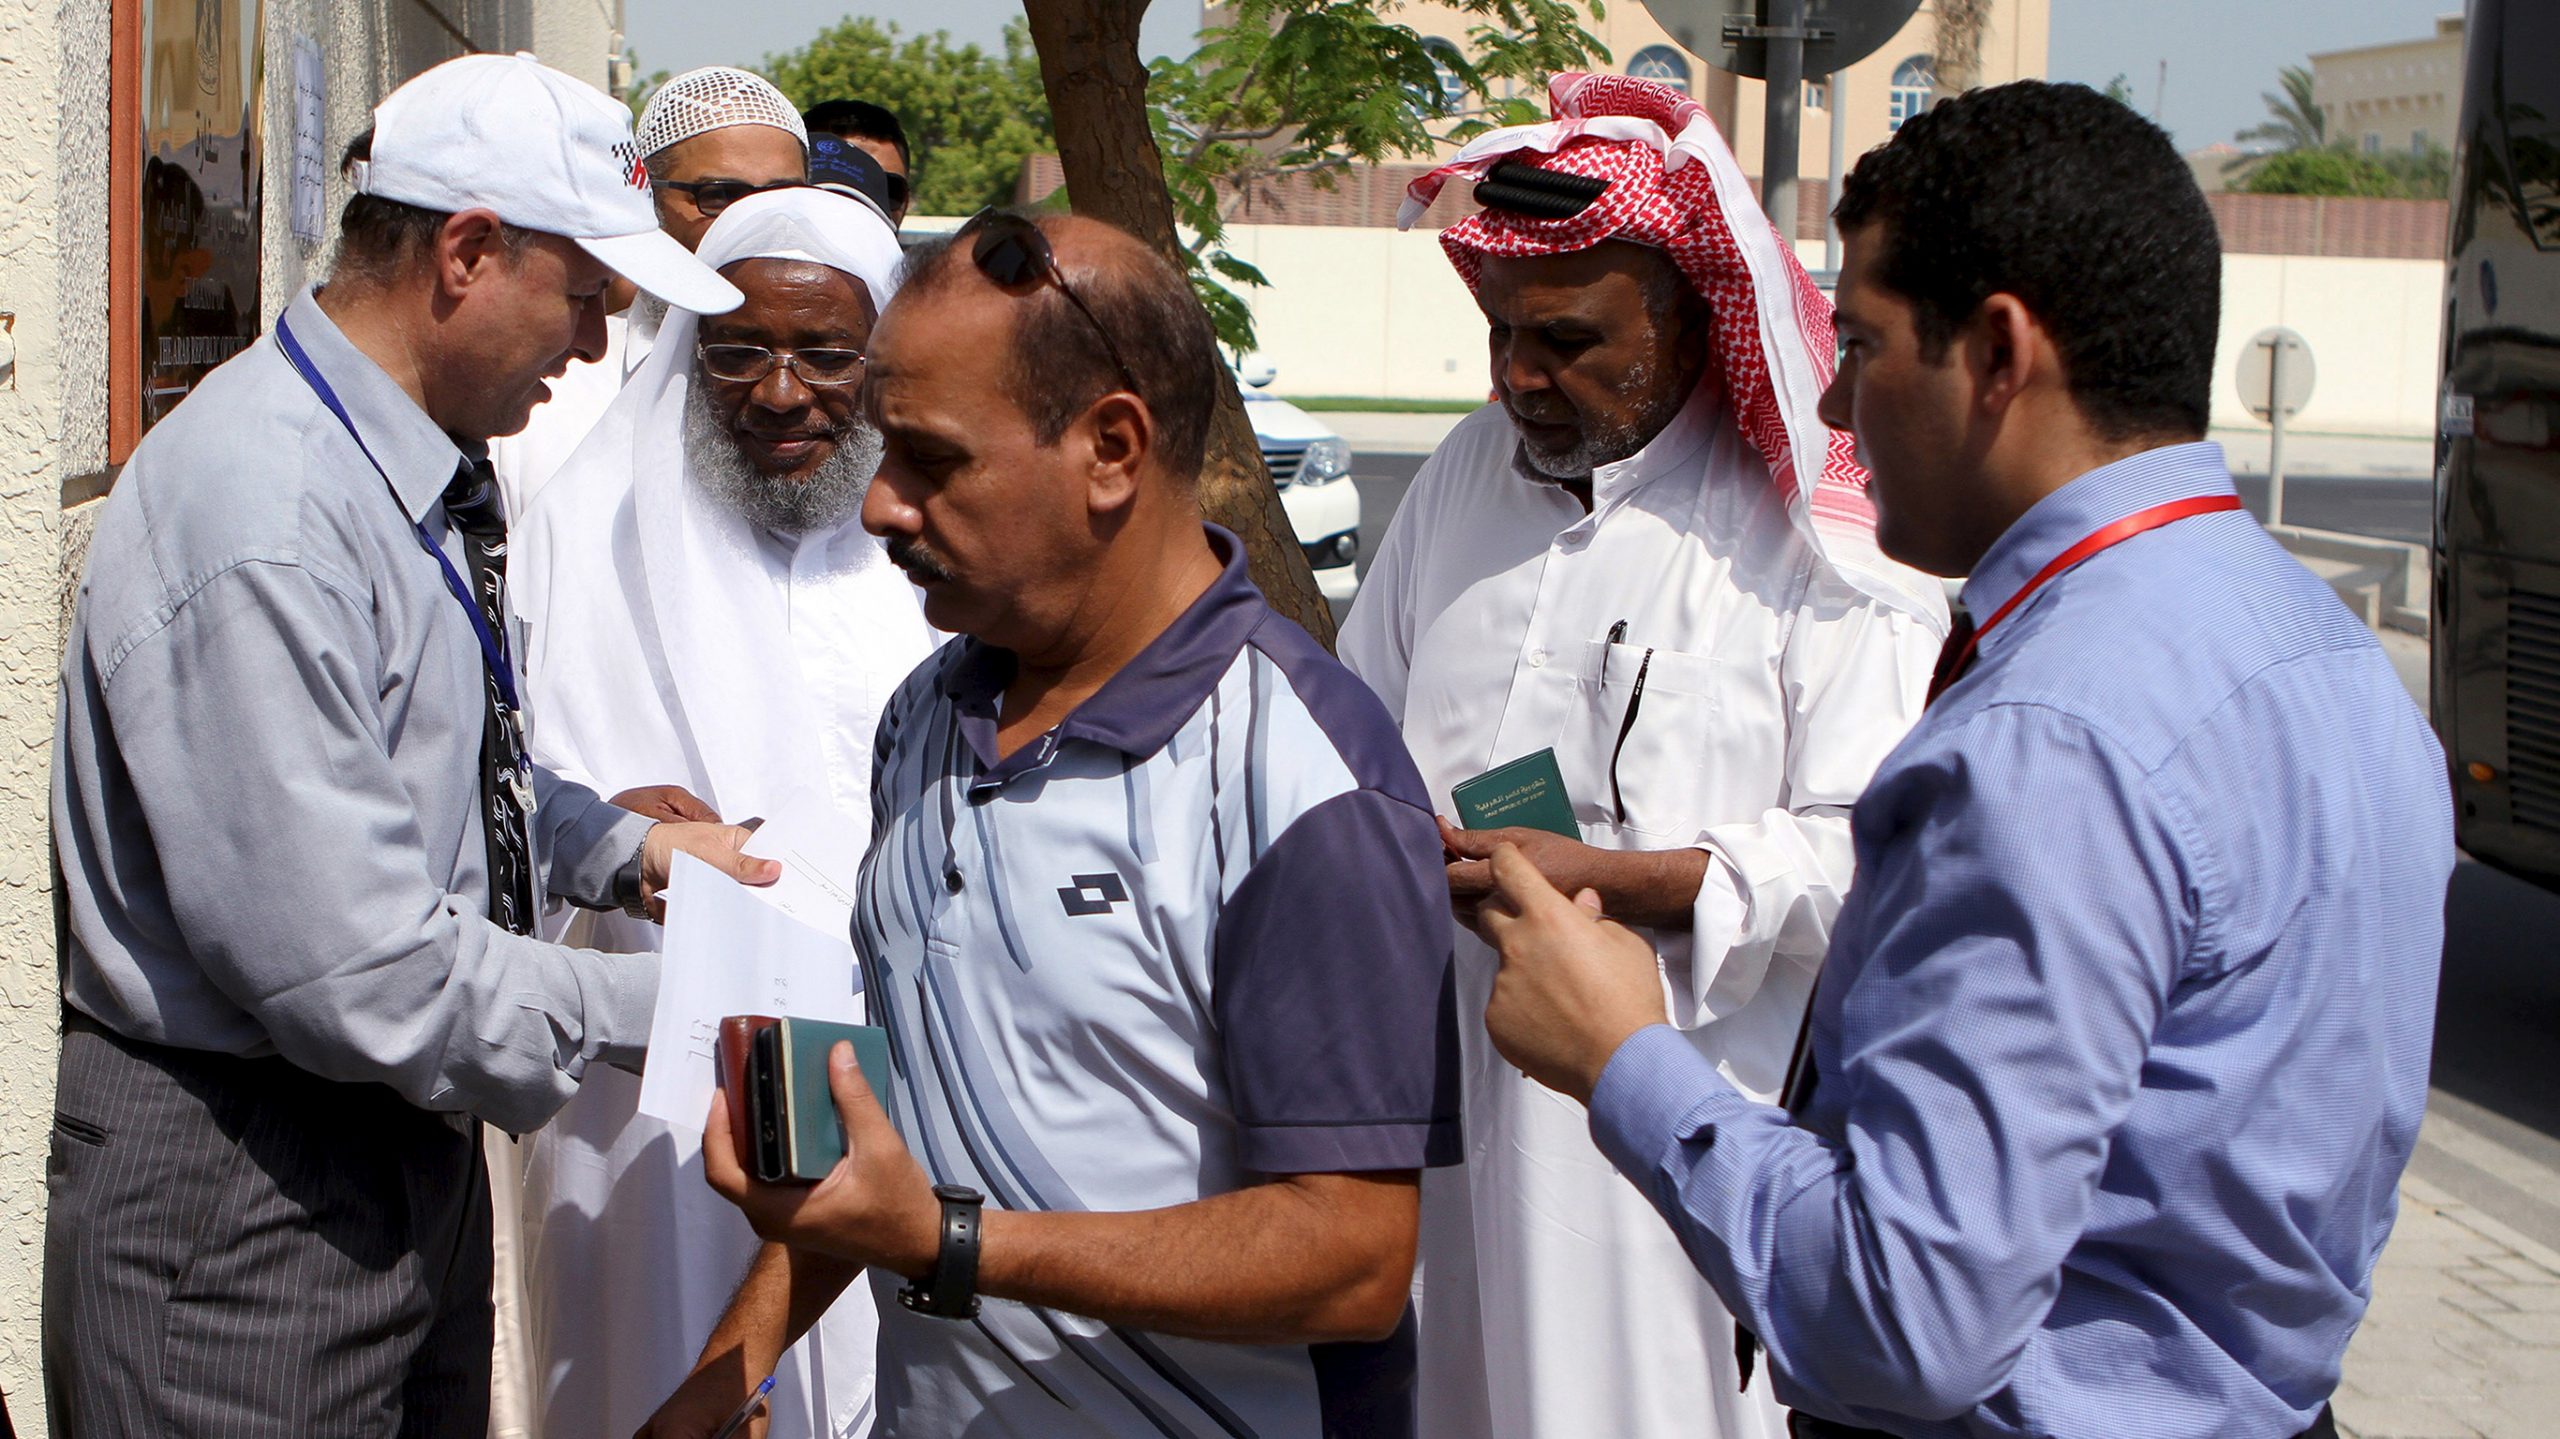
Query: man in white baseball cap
[[301, 841]]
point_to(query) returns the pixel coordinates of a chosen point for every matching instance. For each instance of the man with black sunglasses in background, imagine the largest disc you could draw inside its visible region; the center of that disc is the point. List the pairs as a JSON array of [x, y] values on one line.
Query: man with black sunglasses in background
[[1153, 916], [876, 131]]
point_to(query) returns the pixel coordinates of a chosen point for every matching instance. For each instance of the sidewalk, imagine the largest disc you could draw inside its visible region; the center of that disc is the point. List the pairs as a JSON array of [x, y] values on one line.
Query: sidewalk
[[2463, 1339]]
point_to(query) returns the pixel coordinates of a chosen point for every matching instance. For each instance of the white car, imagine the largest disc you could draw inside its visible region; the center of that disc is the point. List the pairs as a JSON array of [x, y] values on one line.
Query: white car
[[1312, 467]]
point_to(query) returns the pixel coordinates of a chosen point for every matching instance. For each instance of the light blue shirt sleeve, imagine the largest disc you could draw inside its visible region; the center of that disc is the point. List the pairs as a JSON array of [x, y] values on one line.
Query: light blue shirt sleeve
[[296, 870], [1898, 1247]]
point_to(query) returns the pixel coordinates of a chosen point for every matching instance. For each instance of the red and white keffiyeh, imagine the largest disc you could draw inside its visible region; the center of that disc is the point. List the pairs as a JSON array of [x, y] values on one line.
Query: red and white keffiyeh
[[1674, 185]]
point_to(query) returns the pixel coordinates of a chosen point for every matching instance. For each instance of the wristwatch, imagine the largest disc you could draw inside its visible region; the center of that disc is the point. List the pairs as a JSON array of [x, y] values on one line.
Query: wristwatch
[[949, 1290], [627, 888]]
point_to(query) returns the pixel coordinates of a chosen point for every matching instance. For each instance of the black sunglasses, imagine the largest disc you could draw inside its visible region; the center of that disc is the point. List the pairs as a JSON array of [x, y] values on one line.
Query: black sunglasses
[[713, 196], [898, 190], [1011, 251]]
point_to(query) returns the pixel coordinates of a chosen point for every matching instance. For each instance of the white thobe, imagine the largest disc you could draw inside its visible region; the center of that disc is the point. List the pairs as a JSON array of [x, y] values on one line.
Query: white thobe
[[1554, 1302], [747, 668]]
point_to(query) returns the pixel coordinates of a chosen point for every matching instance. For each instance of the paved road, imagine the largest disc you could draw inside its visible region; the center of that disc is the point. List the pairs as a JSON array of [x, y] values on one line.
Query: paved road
[[2387, 508]]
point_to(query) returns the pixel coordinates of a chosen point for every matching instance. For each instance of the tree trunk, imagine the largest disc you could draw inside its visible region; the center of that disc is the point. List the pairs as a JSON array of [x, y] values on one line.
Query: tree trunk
[[1957, 62], [1097, 87]]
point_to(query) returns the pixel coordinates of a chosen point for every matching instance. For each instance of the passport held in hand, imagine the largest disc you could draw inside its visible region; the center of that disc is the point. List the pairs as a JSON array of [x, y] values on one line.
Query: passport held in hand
[[1529, 791]]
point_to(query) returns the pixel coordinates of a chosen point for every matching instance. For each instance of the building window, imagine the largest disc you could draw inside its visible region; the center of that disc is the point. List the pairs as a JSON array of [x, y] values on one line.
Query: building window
[[1817, 95], [2372, 143], [1660, 62], [2417, 142], [1912, 83], [1444, 58]]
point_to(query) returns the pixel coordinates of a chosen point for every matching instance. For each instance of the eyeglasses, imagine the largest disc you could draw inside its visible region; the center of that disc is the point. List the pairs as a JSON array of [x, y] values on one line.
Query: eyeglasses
[[898, 190], [1011, 251], [747, 364], [713, 196]]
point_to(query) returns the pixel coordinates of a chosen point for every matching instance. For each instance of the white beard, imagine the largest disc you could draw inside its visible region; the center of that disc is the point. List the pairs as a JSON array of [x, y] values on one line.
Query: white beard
[[827, 498]]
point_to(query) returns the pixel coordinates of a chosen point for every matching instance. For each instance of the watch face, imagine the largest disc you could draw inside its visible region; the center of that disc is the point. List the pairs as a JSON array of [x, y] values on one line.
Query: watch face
[[958, 1194]]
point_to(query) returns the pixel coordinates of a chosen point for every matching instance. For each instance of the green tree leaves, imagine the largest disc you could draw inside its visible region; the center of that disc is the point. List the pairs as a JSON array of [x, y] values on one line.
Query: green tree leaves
[[971, 117]]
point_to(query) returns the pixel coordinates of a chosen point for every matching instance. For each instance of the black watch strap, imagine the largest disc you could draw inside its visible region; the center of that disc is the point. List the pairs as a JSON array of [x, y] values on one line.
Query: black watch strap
[[950, 1289]]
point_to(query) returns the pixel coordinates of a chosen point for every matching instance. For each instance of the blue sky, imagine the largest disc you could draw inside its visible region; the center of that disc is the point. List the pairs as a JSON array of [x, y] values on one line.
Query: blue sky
[[2220, 53]]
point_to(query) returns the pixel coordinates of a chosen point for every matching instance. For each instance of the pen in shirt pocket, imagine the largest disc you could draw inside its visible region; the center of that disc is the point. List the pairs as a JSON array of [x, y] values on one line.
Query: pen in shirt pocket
[[1617, 636]]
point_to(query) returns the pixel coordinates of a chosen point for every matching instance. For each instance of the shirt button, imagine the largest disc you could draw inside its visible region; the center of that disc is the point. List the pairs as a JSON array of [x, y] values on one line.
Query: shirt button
[[951, 880], [1537, 659]]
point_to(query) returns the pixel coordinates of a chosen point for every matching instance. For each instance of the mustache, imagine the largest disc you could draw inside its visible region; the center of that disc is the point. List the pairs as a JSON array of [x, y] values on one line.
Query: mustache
[[910, 554]]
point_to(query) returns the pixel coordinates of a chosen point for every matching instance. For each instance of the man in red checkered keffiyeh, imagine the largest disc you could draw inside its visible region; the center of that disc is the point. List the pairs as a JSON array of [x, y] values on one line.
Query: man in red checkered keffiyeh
[[1653, 568]]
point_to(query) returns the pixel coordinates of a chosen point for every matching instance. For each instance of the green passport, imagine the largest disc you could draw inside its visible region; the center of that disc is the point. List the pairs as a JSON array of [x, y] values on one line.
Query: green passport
[[815, 1139], [1529, 791]]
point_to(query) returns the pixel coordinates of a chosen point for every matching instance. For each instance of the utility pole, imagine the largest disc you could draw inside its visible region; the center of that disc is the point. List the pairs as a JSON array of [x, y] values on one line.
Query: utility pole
[[1784, 114], [1834, 89]]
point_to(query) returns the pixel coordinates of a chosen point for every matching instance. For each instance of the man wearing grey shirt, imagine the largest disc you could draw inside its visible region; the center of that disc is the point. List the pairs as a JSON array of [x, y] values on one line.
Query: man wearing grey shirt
[[298, 837]]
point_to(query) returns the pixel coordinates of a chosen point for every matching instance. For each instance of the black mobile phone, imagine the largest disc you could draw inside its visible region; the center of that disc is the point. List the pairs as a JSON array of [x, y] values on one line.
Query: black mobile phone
[[768, 1106]]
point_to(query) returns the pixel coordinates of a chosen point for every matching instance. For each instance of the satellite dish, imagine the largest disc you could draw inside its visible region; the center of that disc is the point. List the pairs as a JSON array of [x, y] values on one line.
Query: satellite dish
[[1730, 34]]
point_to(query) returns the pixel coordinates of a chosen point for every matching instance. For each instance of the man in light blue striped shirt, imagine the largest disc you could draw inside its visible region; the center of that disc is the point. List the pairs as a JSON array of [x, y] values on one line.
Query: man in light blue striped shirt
[[2122, 1041], [1154, 917]]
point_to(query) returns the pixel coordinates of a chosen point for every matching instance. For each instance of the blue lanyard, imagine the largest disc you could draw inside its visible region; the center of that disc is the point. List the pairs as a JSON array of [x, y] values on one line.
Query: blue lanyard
[[491, 649]]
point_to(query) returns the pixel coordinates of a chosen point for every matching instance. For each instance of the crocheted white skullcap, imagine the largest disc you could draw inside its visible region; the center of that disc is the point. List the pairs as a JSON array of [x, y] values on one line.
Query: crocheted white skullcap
[[714, 97]]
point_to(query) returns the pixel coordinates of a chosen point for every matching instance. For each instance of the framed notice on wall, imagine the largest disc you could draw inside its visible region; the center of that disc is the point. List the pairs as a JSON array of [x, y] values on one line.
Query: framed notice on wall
[[187, 194]]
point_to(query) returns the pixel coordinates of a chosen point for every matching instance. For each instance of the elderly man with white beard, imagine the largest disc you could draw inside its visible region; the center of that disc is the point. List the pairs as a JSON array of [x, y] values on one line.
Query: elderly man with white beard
[[699, 600]]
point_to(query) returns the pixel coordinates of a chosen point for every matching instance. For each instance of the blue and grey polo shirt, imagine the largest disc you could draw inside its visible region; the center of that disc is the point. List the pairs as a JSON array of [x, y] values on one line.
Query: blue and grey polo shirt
[[1197, 934]]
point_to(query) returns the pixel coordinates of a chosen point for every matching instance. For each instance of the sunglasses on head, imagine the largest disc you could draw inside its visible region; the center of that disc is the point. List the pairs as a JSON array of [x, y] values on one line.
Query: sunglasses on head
[[1011, 251], [713, 196]]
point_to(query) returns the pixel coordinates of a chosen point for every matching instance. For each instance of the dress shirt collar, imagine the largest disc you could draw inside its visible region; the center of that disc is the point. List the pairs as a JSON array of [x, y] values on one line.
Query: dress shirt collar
[[2070, 514], [1138, 709], [419, 458]]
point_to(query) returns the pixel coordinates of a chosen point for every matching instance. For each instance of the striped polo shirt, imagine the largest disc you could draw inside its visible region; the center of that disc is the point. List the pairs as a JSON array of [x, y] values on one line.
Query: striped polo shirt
[[1197, 934]]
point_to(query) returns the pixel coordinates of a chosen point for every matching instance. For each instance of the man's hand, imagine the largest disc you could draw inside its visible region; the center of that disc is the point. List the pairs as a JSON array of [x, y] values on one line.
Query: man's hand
[[666, 802], [717, 844], [875, 1208], [1572, 985], [1655, 888]]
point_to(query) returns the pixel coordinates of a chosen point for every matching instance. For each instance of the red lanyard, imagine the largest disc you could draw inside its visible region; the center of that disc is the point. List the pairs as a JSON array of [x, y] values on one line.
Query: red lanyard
[[2106, 536]]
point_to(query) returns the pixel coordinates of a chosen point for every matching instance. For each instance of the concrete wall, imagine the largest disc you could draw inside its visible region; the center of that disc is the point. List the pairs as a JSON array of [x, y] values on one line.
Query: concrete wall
[[54, 75], [1373, 312], [2375, 328]]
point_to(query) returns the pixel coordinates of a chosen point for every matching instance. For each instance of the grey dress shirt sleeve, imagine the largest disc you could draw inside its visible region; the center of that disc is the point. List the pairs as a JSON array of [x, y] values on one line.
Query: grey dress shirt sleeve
[[295, 865], [585, 839]]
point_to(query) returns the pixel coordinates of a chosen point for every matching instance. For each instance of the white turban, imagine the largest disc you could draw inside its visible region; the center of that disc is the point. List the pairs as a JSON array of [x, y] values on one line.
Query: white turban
[[714, 97], [719, 635]]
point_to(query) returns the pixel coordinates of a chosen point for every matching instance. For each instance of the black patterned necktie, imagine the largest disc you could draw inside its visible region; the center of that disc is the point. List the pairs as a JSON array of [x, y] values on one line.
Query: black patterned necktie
[[471, 502]]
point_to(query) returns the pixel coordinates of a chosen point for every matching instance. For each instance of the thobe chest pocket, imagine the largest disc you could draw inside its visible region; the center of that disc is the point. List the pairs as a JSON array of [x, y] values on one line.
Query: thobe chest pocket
[[1646, 717]]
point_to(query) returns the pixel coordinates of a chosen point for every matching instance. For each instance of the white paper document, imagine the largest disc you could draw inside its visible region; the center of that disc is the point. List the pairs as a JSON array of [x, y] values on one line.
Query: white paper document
[[820, 850], [731, 951]]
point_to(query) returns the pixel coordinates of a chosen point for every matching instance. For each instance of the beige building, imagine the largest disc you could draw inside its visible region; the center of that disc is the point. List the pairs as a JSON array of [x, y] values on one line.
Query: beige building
[[1870, 102], [149, 224], [2402, 98]]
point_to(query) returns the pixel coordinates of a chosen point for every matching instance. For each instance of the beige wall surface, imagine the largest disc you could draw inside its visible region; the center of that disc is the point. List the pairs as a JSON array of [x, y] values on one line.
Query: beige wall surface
[[2393, 98], [53, 443], [1375, 312]]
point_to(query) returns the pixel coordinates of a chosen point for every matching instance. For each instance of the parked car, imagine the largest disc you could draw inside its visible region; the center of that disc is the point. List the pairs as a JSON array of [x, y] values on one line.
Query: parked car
[[1312, 467]]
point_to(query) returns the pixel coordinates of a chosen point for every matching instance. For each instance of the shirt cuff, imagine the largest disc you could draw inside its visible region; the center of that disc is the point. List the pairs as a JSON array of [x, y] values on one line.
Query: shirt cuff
[[1655, 1091]]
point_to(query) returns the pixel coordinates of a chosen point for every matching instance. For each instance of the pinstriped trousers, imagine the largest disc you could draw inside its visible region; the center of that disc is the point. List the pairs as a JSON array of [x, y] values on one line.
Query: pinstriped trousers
[[239, 1247]]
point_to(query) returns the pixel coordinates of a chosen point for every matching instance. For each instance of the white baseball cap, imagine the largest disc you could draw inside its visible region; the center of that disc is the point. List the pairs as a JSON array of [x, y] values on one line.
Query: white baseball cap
[[545, 151]]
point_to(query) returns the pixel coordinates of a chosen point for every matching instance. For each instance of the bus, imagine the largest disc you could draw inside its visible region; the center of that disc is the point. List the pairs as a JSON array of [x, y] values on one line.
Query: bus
[[2495, 680]]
